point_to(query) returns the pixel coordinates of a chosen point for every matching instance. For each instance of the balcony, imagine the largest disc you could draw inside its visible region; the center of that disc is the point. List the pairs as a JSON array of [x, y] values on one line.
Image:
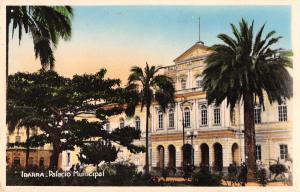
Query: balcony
[[190, 90]]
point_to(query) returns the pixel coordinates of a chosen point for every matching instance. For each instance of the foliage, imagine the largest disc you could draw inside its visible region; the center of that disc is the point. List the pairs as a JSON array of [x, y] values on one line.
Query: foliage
[[246, 68], [96, 152], [187, 171], [205, 178], [144, 87], [247, 64], [262, 178], [277, 169], [54, 103], [45, 24]]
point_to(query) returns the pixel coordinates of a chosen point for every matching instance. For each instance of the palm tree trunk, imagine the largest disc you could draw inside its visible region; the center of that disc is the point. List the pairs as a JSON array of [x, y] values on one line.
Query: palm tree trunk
[[147, 147], [7, 42], [27, 147], [249, 129], [147, 141]]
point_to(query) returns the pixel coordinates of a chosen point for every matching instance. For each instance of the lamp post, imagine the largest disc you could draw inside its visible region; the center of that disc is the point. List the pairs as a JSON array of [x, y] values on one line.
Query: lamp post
[[183, 125], [192, 135]]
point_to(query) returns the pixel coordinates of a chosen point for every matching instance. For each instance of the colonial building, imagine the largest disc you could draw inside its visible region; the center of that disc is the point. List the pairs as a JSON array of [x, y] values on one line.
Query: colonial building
[[16, 156], [213, 134]]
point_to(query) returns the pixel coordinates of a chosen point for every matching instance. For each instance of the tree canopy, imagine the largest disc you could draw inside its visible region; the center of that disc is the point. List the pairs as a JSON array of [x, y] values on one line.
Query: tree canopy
[[54, 104]]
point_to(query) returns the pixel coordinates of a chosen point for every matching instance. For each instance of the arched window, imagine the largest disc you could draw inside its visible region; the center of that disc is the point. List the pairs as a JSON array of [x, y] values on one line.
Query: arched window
[[203, 115], [122, 123], [187, 117], [183, 84], [137, 122], [282, 112], [41, 162], [171, 118], [160, 120], [30, 161], [17, 161], [198, 81]]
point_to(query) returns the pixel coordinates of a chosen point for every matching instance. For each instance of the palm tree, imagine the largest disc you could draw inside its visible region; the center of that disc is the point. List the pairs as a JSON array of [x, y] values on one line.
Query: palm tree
[[246, 69], [46, 24], [144, 87]]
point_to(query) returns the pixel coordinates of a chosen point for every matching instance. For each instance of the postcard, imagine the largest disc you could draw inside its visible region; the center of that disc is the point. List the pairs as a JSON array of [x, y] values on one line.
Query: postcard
[[141, 96]]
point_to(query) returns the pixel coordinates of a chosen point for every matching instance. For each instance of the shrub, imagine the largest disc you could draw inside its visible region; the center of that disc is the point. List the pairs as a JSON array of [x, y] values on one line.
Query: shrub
[[187, 171], [165, 173], [261, 176], [205, 178], [277, 169]]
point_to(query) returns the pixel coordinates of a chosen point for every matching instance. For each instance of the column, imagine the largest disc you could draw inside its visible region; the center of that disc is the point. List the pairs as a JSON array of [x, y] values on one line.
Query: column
[[227, 154], [197, 155], [211, 155], [166, 157], [154, 157], [178, 157]]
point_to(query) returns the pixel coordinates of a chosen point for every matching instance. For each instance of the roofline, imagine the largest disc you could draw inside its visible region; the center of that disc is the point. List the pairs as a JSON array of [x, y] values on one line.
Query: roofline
[[196, 44]]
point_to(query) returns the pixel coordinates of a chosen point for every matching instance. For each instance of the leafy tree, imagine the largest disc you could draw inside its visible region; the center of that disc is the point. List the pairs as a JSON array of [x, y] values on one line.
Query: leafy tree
[[246, 68], [45, 24], [96, 152], [54, 103], [145, 87]]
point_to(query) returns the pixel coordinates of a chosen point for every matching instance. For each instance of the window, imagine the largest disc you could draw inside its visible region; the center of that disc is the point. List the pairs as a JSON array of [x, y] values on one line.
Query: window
[[257, 114], [107, 126], [232, 116], [283, 151], [68, 159], [171, 118], [160, 120], [35, 132], [30, 161], [174, 83], [187, 118], [203, 115], [122, 123], [198, 81], [258, 152], [17, 161], [137, 122], [18, 139], [183, 84], [7, 139], [41, 162], [282, 112], [217, 116]]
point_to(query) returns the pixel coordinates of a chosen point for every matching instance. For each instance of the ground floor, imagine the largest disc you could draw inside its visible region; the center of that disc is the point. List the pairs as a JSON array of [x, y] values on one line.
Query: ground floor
[[37, 157], [218, 149]]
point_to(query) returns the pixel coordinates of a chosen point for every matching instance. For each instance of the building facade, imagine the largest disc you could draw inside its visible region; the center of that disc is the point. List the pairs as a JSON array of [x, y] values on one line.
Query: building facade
[[16, 155], [213, 135]]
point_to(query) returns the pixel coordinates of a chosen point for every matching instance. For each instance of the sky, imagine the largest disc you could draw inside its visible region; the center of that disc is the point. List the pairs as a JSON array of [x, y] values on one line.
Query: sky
[[119, 37]]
